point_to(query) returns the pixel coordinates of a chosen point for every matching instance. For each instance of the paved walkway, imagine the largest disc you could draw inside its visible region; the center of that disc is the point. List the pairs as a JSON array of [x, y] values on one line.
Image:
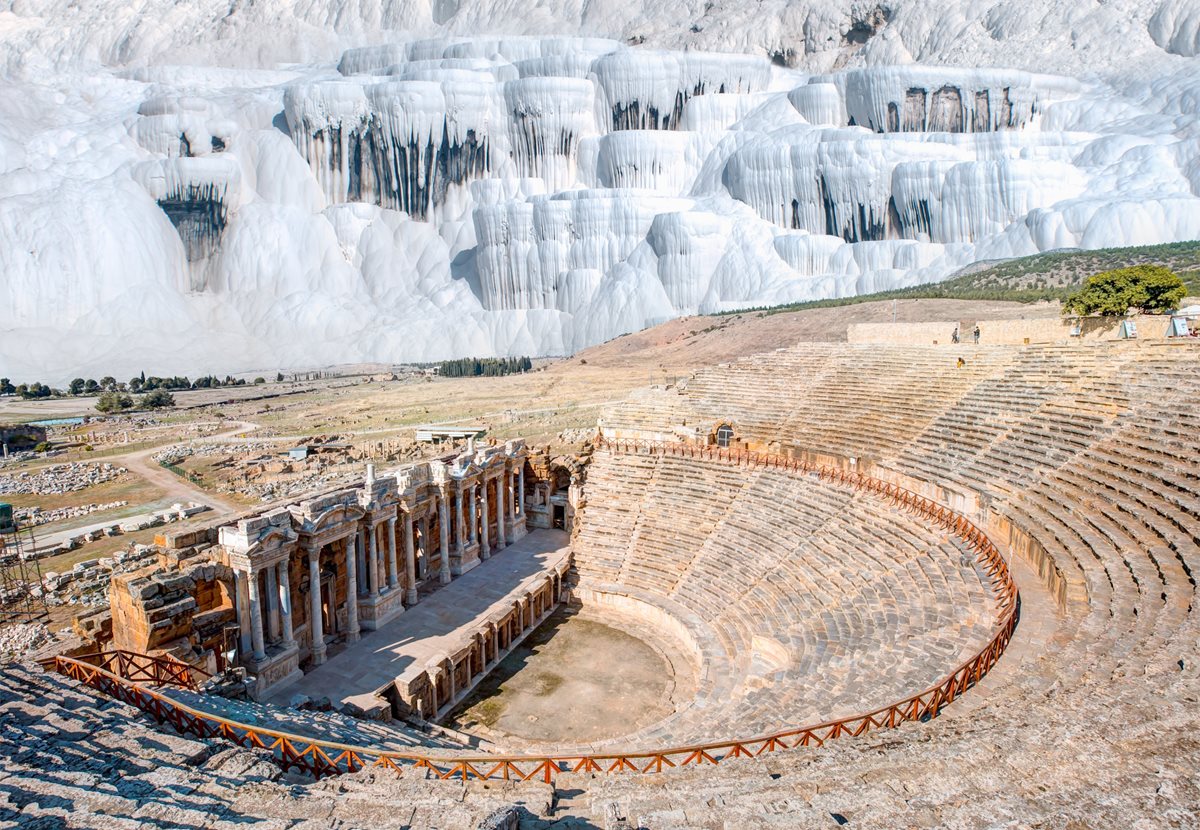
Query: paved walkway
[[430, 628]]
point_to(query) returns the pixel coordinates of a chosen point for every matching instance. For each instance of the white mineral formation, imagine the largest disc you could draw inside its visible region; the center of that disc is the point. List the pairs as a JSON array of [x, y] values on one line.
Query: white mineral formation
[[189, 187]]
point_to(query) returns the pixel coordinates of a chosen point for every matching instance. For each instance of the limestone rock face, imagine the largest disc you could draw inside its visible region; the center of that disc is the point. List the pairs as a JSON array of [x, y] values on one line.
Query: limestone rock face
[[484, 185]]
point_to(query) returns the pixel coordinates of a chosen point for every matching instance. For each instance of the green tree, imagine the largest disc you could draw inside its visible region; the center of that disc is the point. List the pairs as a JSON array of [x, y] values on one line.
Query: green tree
[[90, 387], [108, 382], [76, 386], [6, 387], [1149, 288], [34, 390], [279, 377], [158, 399], [257, 381], [114, 402]]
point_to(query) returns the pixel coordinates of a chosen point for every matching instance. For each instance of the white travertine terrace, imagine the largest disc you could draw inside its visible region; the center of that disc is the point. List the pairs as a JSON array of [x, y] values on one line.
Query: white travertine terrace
[[440, 191]]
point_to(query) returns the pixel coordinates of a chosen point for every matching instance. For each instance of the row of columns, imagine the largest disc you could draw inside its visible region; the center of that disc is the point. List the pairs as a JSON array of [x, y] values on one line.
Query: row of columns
[[491, 643], [278, 607], [368, 550], [362, 547]]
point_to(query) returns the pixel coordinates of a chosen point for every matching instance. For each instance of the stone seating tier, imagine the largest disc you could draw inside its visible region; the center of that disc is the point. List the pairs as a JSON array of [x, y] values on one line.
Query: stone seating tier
[[811, 600], [75, 759], [1091, 452]]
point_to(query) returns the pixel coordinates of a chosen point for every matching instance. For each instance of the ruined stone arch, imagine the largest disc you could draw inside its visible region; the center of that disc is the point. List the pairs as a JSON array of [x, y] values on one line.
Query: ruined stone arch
[[336, 515], [264, 541], [724, 434]]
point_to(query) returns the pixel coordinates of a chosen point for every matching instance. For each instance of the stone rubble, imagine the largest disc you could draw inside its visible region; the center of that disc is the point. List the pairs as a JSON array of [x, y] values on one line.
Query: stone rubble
[[36, 516], [19, 639], [59, 478], [87, 582], [179, 452], [15, 459]]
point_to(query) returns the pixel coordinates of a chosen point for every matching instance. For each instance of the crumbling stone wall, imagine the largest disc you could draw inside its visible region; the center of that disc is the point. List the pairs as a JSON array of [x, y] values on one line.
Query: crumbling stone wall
[[180, 608]]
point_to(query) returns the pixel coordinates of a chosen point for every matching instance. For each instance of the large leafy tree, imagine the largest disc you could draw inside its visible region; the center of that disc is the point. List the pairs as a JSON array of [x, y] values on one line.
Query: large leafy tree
[[1149, 288]]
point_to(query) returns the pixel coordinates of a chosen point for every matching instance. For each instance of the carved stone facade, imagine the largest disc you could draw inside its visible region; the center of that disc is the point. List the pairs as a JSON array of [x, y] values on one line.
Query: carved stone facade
[[303, 577], [557, 489]]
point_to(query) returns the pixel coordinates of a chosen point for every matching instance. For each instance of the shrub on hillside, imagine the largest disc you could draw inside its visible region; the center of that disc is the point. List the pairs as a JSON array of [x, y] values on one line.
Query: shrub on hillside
[[158, 399], [114, 402]]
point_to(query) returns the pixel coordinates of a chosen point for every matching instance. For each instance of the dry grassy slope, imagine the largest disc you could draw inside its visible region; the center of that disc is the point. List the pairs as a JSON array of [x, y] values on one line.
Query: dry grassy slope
[[690, 343]]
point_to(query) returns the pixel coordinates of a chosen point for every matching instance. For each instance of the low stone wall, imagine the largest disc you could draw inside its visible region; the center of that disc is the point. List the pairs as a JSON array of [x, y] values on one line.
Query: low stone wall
[[1015, 332], [653, 615], [432, 690]]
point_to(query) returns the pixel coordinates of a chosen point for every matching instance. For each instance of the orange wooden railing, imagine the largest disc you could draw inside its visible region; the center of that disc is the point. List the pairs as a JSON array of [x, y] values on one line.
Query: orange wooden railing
[[159, 670], [122, 676]]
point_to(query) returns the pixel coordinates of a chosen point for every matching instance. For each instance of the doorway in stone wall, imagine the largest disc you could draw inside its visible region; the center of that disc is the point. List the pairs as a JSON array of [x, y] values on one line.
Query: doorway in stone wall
[[560, 517]]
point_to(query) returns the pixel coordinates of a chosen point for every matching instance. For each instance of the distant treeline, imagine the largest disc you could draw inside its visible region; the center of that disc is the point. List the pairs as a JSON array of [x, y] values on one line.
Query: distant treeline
[[490, 367], [137, 384]]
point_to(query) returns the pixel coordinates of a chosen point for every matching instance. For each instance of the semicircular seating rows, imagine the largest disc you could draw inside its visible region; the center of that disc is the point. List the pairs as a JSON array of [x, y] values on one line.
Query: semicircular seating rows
[[1082, 459], [1088, 453], [801, 601]]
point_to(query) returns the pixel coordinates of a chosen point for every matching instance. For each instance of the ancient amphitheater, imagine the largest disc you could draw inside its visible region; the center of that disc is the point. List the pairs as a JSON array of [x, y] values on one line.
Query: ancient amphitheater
[[896, 589]]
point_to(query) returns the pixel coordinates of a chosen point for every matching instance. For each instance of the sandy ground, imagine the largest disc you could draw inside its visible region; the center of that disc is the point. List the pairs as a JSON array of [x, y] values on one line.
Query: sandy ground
[[574, 679]]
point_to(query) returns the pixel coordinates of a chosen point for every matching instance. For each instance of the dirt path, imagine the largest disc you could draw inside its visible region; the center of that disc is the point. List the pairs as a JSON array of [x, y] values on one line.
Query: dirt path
[[176, 487]]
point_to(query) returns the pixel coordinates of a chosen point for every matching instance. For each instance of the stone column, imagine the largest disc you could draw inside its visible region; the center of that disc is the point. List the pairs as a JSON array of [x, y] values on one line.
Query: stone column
[[510, 493], [272, 601], [315, 627], [373, 561], [352, 587], [444, 534], [501, 510], [474, 537], [393, 577], [256, 623], [510, 503], [423, 545], [460, 542], [361, 561], [242, 598], [521, 488], [485, 549], [285, 603], [410, 564]]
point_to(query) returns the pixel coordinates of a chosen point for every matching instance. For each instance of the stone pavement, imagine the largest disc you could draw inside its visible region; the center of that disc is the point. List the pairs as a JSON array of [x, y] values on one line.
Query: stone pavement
[[434, 626]]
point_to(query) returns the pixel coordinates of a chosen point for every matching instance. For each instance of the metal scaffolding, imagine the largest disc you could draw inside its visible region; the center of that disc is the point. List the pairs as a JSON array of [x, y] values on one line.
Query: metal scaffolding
[[22, 598]]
